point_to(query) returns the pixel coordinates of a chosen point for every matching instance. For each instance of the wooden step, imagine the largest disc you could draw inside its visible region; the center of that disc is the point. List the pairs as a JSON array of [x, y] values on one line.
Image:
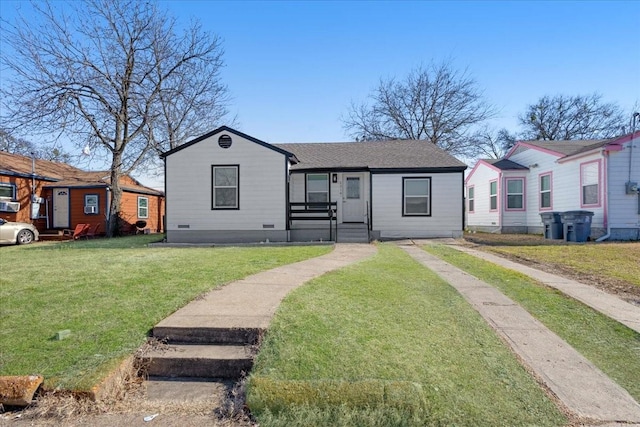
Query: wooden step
[[199, 361]]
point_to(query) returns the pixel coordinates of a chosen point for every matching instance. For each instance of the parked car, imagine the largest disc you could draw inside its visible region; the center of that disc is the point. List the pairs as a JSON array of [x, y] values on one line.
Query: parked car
[[19, 233]]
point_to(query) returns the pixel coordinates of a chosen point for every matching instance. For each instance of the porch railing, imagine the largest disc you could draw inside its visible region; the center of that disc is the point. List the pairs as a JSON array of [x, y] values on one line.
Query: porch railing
[[315, 211]]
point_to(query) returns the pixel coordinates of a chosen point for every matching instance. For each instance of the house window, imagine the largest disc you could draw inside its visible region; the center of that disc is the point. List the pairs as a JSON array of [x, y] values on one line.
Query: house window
[[7, 191], [493, 195], [545, 191], [515, 194], [91, 204], [416, 196], [471, 198], [317, 188], [589, 182], [225, 180], [143, 207]]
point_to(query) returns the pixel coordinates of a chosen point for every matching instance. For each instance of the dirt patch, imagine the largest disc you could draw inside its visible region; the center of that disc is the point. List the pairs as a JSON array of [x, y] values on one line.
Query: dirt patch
[[491, 243]]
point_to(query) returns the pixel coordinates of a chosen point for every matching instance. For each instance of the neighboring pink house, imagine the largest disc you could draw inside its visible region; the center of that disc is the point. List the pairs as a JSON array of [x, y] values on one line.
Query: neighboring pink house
[[600, 176]]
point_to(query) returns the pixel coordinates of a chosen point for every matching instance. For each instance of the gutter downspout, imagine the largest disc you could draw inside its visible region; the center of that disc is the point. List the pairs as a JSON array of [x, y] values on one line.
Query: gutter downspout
[[606, 195]]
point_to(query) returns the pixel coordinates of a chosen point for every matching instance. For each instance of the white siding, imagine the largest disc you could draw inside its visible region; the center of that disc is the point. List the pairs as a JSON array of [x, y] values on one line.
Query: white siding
[[623, 208], [482, 215], [446, 207], [262, 186]]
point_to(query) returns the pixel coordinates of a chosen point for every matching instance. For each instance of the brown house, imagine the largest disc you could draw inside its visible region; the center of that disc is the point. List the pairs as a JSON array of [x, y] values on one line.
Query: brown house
[[58, 196]]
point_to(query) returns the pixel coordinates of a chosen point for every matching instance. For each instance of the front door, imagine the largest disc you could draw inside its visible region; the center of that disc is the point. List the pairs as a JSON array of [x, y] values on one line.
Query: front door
[[352, 200], [60, 208]]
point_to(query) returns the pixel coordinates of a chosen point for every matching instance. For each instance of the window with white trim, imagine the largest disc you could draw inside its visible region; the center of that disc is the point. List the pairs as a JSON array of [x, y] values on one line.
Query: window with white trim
[[91, 204], [590, 183], [317, 188], [515, 193], [471, 198], [545, 191], [225, 188], [7, 191], [493, 195], [416, 197], [143, 207]]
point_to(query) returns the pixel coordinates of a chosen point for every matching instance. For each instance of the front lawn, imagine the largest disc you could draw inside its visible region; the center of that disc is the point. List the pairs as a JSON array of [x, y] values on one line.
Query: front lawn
[[611, 346], [386, 342], [109, 293]]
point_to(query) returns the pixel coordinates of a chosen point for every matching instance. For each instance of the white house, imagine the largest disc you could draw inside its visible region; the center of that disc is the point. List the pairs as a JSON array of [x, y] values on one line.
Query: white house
[[508, 195], [227, 186]]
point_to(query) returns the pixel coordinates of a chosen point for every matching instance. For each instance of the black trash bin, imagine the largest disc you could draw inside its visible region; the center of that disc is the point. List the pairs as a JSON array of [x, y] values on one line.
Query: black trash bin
[[576, 225], [552, 225]]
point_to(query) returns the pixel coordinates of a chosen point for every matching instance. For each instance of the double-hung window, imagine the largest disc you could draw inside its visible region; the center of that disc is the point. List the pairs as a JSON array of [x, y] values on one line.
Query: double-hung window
[[545, 191], [590, 183], [493, 195], [225, 180], [515, 193], [317, 189], [471, 198], [416, 197], [143, 207]]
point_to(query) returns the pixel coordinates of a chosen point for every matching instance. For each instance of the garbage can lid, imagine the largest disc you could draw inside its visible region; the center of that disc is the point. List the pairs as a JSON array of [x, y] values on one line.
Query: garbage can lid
[[583, 213]]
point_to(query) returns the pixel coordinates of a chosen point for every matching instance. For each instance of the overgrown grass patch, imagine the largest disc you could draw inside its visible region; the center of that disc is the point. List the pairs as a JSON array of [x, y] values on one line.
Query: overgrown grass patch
[[109, 293], [389, 330], [611, 346]]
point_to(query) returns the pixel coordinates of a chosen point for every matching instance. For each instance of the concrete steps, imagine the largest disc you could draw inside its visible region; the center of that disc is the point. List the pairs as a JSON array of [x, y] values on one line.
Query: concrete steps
[[353, 233], [200, 361], [203, 353]]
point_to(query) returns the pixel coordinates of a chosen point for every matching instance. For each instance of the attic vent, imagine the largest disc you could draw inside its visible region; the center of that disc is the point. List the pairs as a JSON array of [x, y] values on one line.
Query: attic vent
[[224, 141]]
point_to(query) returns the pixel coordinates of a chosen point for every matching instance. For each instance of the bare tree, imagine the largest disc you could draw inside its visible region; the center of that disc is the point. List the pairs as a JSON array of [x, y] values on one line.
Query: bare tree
[[438, 104], [564, 117], [24, 147], [493, 144], [103, 73]]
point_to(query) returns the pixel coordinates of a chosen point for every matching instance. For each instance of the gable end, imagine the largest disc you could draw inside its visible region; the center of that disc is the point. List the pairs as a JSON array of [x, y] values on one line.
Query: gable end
[[235, 132]]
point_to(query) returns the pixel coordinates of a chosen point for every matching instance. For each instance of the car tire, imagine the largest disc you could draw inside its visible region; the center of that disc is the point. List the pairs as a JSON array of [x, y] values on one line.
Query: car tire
[[24, 237]]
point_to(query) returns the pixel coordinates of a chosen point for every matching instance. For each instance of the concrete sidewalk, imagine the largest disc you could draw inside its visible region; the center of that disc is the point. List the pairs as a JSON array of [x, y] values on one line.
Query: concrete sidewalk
[[583, 388], [607, 304]]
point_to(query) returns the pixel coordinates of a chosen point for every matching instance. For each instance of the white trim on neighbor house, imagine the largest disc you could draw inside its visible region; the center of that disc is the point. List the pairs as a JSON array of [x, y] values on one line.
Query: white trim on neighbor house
[[590, 176], [143, 207], [545, 194], [513, 195]]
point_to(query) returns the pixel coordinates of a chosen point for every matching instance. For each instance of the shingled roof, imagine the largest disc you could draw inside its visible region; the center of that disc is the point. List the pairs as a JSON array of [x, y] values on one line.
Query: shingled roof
[[64, 175], [569, 148], [396, 154], [505, 164]]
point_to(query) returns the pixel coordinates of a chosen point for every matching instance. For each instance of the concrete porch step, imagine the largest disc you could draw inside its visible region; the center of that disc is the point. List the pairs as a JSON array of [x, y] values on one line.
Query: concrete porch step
[[173, 334], [199, 361], [353, 233]]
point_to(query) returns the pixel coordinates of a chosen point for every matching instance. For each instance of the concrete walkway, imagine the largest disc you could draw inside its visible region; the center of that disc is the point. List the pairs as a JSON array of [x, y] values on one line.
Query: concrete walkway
[[584, 389], [250, 303], [607, 304]]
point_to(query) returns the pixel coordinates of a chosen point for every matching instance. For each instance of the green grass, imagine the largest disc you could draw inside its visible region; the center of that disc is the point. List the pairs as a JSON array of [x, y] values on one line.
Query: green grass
[[386, 342], [109, 293], [616, 260], [609, 345]]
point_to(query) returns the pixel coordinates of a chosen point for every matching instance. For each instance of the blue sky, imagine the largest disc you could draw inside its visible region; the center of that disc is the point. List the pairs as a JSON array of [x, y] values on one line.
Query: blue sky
[[293, 67]]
